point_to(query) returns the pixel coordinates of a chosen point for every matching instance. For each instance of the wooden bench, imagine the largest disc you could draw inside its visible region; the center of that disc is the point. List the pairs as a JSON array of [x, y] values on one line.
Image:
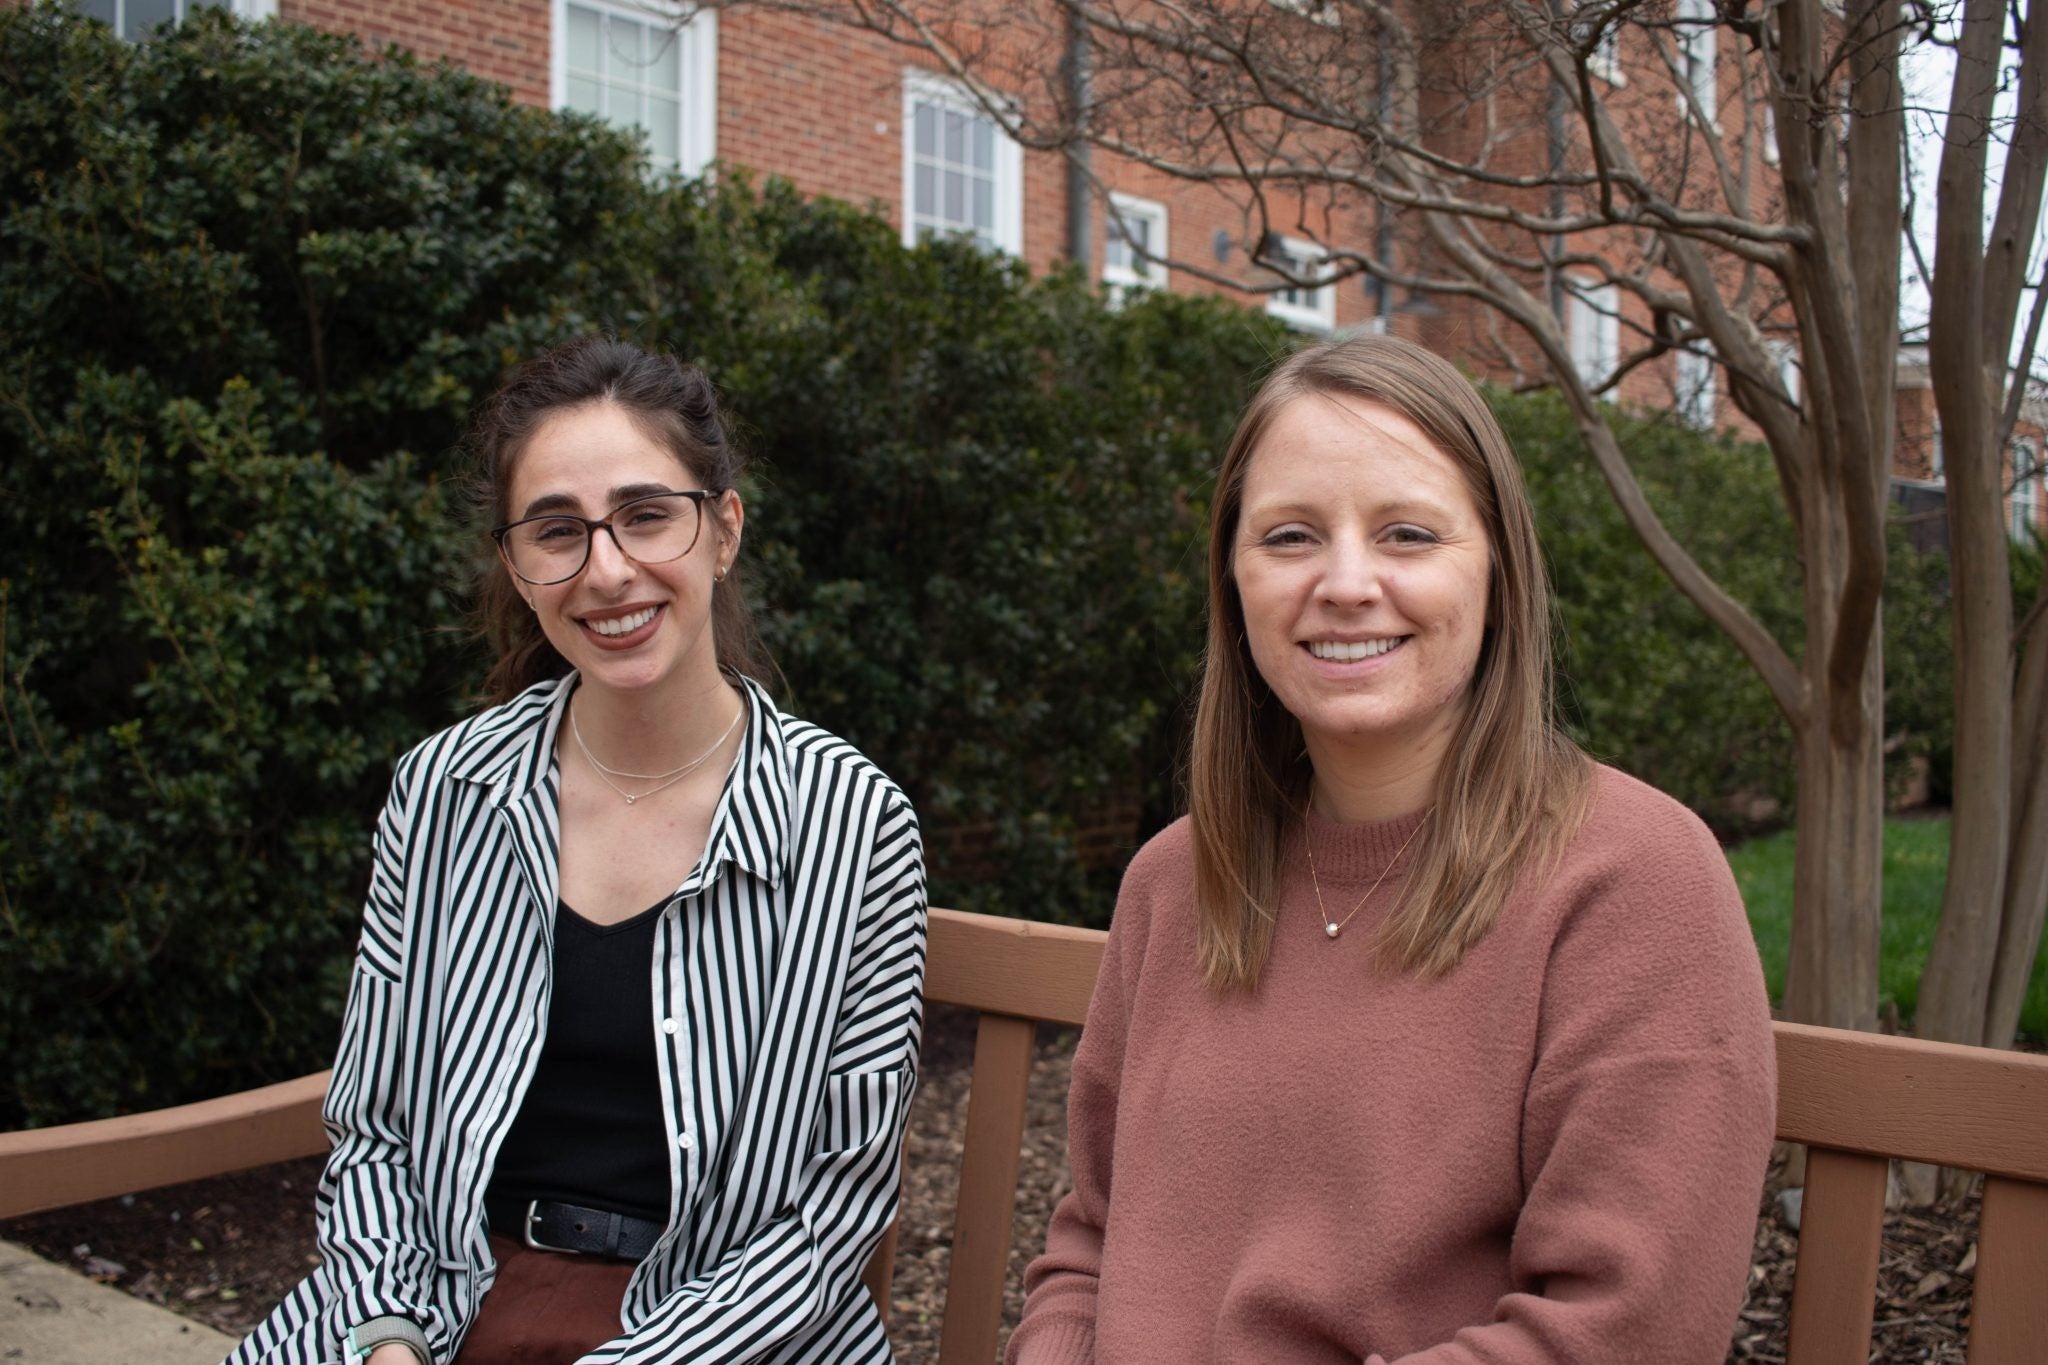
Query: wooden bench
[[1856, 1099]]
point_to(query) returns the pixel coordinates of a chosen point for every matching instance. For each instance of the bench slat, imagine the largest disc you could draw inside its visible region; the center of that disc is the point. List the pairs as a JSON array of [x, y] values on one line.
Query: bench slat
[[1012, 966], [1941, 1103], [2009, 1310], [1834, 1287], [987, 1207], [50, 1168]]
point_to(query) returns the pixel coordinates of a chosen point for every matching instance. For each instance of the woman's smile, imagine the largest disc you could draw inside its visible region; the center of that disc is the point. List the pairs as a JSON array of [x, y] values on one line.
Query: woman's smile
[[623, 627], [1354, 651]]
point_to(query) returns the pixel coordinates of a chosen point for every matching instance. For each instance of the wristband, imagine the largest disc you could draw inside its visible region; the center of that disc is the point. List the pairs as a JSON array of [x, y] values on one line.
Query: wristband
[[366, 1337]]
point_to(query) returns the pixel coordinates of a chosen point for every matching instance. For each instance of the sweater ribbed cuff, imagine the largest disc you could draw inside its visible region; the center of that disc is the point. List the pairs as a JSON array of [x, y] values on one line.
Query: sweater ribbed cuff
[[1054, 1341]]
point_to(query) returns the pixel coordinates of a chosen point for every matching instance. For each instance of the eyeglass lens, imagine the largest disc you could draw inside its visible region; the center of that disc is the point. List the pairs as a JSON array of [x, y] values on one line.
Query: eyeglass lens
[[651, 530]]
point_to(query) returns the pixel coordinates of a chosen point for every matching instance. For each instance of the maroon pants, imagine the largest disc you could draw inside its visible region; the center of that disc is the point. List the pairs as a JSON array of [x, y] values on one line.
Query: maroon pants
[[547, 1308]]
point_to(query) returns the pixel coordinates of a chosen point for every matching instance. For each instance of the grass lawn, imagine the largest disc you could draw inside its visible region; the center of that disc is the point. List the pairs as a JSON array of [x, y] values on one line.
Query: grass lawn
[[1915, 861]]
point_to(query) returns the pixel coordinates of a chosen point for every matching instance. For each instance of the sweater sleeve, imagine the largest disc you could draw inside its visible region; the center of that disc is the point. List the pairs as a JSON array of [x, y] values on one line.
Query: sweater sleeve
[[1647, 1125], [803, 1265], [1058, 1324]]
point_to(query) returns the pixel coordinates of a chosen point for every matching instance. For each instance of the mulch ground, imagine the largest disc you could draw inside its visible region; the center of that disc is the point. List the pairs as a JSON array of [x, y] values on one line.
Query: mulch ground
[[223, 1251]]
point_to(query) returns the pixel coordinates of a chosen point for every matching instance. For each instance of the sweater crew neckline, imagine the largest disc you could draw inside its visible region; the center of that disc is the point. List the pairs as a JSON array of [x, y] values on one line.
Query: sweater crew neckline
[[1346, 852]]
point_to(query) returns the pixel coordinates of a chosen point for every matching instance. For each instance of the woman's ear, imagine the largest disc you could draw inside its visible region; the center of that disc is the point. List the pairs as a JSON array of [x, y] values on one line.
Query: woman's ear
[[731, 515]]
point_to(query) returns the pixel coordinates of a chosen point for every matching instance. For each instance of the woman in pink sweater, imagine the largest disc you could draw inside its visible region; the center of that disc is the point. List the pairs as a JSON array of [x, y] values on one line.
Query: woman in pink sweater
[[1422, 1038]]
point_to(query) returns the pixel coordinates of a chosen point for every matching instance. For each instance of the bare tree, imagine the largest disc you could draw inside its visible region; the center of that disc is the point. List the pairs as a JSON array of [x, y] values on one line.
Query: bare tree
[[1729, 171], [1998, 855]]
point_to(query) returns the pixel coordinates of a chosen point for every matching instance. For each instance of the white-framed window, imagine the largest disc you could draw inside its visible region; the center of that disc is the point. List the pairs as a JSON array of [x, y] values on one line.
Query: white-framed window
[[1311, 307], [961, 173], [1692, 384], [1697, 41], [136, 19], [1604, 61], [645, 67], [1593, 328], [2026, 490], [1134, 243]]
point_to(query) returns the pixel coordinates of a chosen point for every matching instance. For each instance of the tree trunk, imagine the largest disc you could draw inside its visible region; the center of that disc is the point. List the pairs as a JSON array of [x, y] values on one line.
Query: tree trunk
[[2026, 873], [1831, 977], [1955, 990]]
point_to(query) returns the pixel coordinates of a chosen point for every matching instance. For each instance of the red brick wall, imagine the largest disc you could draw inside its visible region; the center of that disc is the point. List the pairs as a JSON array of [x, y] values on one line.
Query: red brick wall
[[502, 40], [822, 106]]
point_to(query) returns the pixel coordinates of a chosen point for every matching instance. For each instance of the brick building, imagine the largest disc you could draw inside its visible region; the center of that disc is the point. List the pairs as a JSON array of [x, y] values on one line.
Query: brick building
[[851, 115]]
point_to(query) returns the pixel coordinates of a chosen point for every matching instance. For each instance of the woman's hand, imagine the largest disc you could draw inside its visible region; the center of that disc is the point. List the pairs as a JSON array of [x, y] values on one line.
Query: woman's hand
[[393, 1353]]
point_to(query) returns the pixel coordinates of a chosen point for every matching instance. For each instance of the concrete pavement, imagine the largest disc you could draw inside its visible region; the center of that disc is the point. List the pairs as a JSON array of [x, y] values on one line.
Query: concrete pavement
[[53, 1316]]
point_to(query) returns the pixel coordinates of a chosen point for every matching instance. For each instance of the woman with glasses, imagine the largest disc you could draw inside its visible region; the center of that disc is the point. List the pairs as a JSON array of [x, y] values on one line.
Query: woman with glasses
[[1422, 1039], [634, 1019]]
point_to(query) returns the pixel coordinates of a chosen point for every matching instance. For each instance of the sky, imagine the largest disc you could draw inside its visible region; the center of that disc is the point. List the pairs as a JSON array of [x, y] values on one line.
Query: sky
[[1929, 73]]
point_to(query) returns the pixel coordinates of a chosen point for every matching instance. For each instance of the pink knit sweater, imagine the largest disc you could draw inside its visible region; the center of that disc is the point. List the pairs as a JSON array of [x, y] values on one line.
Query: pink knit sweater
[[1552, 1154]]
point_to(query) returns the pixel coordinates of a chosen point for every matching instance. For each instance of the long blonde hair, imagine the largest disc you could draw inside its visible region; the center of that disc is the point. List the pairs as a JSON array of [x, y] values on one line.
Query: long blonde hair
[[1511, 789]]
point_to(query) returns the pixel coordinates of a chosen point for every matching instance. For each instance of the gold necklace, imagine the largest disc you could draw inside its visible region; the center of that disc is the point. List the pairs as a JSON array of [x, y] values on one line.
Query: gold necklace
[[1332, 928], [664, 780]]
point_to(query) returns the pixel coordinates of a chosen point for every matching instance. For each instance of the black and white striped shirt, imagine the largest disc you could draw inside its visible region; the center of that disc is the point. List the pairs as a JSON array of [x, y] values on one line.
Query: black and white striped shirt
[[788, 972]]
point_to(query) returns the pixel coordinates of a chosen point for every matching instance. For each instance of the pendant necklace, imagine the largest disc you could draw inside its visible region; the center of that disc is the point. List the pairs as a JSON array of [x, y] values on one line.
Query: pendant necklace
[[1332, 928], [667, 779]]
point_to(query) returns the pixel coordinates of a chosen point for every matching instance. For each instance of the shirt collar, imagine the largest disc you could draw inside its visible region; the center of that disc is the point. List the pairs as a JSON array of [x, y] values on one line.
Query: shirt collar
[[512, 747], [751, 823]]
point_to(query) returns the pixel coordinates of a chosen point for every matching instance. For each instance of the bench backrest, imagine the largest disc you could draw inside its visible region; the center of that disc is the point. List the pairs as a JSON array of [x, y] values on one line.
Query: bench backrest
[[1857, 1100]]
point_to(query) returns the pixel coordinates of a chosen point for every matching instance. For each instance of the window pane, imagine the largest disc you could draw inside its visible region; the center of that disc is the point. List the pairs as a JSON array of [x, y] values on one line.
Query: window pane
[[984, 144], [583, 41], [925, 204], [985, 204], [666, 74], [956, 137], [955, 208], [664, 129], [102, 10], [1115, 255], [628, 61], [582, 95], [926, 124], [143, 15]]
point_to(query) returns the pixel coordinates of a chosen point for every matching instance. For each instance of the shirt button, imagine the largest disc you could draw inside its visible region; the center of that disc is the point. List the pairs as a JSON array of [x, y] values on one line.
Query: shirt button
[[669, 1026], [683, 1140]]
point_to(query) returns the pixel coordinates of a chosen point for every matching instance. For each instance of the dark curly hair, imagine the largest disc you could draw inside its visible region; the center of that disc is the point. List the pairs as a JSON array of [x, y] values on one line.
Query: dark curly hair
[[674, 404]]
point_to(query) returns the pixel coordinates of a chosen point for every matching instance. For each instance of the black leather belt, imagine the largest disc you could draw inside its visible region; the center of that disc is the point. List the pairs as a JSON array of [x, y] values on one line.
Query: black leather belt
[[546, 1225]]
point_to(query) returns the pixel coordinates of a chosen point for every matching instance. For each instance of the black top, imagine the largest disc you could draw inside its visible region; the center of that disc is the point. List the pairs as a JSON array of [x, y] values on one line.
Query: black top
[[590, 1129]]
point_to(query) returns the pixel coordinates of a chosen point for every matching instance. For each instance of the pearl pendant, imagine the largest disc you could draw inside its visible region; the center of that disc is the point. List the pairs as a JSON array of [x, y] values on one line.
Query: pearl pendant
[[1332, 929], [631, 799]]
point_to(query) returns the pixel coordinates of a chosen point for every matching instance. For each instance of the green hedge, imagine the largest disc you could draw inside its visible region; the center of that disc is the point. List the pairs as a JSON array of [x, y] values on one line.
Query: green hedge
[[251, 283], [1648, 683]]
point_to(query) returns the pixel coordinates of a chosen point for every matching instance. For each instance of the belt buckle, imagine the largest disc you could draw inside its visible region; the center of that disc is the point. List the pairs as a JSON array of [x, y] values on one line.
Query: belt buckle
[[526, 1232]]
